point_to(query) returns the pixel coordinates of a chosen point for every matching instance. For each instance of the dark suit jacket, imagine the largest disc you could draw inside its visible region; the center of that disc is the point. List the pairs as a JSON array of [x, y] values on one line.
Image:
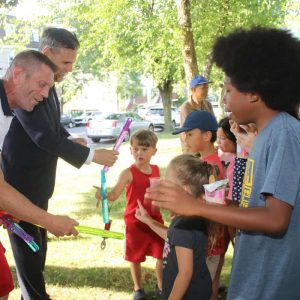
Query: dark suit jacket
[[31, 149]]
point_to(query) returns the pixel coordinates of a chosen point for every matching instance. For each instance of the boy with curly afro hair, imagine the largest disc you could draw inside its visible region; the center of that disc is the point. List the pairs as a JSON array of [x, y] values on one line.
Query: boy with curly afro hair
[[262, 82]]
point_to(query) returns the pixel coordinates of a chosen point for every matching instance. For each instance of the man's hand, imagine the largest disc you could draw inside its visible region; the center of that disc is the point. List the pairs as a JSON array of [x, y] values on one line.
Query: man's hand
[[172, 197], [105, 157], [61, 225]]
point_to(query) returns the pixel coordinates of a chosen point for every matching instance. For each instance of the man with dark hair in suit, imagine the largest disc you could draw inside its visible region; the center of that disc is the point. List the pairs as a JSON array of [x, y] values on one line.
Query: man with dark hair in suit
[[26, 83], [41, 139]]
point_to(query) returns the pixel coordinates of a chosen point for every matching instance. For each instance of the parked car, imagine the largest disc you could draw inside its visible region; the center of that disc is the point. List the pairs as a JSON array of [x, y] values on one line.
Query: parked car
[[85, 117], [110, 126], [155, 114], [67, 120]]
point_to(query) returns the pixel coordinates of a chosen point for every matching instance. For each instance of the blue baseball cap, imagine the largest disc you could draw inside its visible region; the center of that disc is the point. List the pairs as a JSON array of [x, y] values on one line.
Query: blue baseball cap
[[197, 80], [200, 119]]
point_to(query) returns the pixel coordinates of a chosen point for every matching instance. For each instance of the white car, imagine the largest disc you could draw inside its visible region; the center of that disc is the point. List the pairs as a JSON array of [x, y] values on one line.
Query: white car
[[85, 117], [155, 114]]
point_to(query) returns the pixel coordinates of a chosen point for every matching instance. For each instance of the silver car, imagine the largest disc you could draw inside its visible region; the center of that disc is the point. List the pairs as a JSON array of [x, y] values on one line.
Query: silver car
[[109, 126], [66, 120]]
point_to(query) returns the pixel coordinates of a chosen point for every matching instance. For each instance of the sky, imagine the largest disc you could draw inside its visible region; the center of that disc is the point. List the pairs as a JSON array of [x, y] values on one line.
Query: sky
[[28, 9]]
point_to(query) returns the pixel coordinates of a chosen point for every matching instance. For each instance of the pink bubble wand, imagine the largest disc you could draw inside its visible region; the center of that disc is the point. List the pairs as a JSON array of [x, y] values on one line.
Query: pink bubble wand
[[119, 141]]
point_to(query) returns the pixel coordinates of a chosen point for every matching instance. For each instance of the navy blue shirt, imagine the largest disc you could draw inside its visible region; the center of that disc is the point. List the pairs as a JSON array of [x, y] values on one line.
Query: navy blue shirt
[[188, 233]]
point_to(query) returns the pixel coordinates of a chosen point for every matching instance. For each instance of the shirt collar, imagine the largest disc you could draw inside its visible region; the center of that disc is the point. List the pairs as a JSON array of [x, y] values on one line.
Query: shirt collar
[[4, 102]]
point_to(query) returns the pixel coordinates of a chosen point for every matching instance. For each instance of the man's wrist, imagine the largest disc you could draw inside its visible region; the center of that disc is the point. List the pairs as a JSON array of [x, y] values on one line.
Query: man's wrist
[[46, 221]]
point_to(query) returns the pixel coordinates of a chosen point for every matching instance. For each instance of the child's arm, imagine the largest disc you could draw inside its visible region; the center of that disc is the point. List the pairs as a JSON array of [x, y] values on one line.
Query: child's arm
[[142, 215], [185, 272], [274, 218], [124, 178]]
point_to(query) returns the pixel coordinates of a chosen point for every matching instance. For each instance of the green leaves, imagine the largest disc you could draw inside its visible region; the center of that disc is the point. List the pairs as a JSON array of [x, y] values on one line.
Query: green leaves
[[135, 37], [8, 3], [218, 17]]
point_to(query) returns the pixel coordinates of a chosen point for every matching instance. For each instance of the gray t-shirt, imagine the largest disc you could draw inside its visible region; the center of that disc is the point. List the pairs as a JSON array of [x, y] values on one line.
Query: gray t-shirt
[[268, 267]]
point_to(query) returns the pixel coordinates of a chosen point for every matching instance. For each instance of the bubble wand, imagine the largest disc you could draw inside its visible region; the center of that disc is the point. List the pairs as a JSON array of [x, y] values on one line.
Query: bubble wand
[[105, 208], [120, 139], [19, 231], [100, 232]]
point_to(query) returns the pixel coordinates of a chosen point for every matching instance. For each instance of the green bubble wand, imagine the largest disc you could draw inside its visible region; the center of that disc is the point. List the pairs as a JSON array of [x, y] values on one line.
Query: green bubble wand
[[100, 232]]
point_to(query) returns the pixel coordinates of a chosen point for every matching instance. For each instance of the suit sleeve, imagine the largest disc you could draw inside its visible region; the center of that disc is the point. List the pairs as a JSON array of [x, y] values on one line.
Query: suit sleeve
[[64, 131], [43, 127]]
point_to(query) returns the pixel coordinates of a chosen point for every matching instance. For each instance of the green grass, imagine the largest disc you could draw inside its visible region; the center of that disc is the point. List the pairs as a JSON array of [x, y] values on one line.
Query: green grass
[[76, 267]]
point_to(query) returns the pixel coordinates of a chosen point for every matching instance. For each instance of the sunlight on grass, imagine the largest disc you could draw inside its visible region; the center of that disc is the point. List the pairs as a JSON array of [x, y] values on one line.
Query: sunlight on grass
[[76, 267]]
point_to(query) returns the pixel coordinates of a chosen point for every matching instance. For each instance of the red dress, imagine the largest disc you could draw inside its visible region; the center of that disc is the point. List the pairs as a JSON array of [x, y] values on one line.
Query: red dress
[[140, 240]]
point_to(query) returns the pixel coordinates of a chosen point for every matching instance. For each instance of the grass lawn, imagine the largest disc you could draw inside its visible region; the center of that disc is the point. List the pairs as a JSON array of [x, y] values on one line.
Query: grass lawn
[[76, 267]]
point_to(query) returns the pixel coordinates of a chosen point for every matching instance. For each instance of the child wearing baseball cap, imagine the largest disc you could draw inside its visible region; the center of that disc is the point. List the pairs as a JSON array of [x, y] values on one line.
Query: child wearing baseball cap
[[200, 128]]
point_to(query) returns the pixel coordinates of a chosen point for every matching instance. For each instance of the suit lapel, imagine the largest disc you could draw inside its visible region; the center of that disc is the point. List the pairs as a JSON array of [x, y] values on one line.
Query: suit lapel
[[57, 103], [54, 102]]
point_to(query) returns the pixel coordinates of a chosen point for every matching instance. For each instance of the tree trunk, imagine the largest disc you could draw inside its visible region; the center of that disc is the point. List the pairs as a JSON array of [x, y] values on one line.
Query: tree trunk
[[208, 65], [188, 46], [165, 91]]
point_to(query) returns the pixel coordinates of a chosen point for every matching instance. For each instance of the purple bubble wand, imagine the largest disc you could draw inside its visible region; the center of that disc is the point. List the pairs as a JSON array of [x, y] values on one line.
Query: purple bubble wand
[[20, 232]]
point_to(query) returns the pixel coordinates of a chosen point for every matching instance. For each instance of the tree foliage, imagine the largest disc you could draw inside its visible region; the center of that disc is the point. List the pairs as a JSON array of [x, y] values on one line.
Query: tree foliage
[[139, 36], [129, 85], [8, 3], [214, 18], [143, 36], [71, 85]]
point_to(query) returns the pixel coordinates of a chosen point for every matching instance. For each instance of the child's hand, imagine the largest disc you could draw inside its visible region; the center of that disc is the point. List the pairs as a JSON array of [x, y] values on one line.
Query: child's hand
[[245, 135], [141, 213], [98, 195], [236, 129], [246, 141]]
